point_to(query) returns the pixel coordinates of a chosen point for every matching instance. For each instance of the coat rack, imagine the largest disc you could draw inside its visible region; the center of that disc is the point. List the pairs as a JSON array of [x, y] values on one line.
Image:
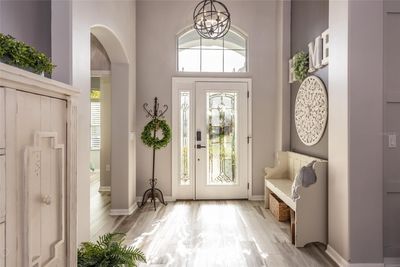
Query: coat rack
[[154, 193]]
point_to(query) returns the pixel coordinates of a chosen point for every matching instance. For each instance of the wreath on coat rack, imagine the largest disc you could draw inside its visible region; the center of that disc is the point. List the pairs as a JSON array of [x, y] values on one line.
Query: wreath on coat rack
[[149, 136]]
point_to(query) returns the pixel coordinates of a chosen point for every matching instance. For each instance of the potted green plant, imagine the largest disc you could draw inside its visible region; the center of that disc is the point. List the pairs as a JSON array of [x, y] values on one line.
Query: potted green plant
[[109, 251], [21, 55]]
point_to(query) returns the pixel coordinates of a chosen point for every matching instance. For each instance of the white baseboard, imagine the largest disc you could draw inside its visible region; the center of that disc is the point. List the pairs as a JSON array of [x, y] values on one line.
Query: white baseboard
[[335, 256], [171, 199], [166, 198], [256, 198], [104, 189], [119, 212], [392, 262]]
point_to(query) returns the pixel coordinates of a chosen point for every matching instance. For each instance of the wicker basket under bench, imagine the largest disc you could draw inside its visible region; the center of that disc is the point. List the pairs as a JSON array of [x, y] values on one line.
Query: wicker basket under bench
[[278, 208], [311, 209]]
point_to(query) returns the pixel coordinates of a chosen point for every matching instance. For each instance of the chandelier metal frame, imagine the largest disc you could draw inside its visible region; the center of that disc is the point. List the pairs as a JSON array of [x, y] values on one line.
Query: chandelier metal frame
[[211, 19]]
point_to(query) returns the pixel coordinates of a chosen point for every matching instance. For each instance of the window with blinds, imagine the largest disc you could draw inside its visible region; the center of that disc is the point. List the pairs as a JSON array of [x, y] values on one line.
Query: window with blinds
[[95, 125]]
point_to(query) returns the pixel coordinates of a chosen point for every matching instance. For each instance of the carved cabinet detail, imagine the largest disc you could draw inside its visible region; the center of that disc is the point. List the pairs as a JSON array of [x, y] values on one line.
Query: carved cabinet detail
[[44, 206]]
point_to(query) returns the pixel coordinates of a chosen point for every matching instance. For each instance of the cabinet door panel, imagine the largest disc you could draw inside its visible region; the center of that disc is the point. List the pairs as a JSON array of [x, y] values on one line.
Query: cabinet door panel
[[2, 245], [2, 120], [2, 188], [40, 138]]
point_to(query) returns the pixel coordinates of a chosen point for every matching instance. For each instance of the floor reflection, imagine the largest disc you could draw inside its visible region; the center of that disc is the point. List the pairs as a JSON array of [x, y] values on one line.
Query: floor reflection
[[216, 233]]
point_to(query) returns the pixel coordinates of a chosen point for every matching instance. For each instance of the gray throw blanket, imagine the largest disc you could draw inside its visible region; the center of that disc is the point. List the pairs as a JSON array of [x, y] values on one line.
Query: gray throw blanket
[[305, 178]]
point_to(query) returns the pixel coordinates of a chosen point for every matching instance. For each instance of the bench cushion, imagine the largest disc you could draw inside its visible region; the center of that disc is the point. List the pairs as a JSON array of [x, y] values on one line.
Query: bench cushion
[[282, 188]]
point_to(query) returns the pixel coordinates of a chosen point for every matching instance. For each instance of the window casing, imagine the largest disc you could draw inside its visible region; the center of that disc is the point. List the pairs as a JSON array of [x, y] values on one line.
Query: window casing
[[196, 54]]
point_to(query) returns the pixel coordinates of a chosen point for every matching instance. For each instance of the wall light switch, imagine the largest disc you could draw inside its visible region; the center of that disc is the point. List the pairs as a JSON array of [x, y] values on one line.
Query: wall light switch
[[392, 141], [108, 167]]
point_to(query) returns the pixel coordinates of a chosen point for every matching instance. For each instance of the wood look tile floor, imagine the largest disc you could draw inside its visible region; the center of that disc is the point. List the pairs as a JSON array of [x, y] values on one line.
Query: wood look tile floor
[[100, 203], [216, 233]]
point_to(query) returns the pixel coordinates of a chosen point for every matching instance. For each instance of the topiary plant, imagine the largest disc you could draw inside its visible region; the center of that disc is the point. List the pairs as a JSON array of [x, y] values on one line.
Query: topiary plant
[[300, 65], [109, 251], [21, 55]]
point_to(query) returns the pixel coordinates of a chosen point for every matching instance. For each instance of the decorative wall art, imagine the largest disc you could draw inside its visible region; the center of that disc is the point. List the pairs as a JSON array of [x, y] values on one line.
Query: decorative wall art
[[311, 110], [318, 57]]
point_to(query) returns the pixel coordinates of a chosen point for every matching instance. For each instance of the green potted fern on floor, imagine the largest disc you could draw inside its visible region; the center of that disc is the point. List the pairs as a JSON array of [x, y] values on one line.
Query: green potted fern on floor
[[109, 251]]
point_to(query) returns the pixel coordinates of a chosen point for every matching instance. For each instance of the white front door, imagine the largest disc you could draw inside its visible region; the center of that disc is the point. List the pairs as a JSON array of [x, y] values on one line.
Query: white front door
[[221, 140], [211, 139]]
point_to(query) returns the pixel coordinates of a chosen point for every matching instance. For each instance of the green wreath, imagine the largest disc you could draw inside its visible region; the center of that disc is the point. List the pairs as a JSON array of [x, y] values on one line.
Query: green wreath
[[300, 64], [148, 134]]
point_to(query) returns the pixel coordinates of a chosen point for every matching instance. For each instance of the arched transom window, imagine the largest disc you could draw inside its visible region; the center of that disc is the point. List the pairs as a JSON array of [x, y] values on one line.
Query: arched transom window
[[196, 54]]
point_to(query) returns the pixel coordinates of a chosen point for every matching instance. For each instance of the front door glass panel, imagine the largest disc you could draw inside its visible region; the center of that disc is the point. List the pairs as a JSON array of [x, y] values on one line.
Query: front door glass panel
[[222, 144]]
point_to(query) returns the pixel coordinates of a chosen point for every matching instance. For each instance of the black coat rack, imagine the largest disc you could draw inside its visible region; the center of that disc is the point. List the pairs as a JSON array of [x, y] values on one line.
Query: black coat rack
[[154, 193]]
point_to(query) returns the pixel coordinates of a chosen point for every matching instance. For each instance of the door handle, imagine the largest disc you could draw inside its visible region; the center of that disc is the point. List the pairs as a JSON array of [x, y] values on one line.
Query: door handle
[[200, 146], [46, 199]]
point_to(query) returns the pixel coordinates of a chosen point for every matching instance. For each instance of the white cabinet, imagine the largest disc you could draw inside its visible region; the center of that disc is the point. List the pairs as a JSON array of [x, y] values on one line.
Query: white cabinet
[[2, 120], [37, 171], [2, 188], [2, 245]]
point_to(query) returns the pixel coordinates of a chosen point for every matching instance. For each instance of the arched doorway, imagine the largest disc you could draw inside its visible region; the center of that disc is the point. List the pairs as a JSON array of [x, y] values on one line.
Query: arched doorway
[[109, 127]]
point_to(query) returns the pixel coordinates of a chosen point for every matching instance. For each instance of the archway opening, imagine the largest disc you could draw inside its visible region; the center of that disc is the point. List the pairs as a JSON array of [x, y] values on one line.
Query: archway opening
[[109, 155], [100, 134]]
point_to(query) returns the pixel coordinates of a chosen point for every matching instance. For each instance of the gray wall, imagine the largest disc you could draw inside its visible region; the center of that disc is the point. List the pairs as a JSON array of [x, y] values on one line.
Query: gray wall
[[365, 96], [156, 65], [28, 21], [392, 126], [355, 131], [99, 59], [308, 20], [114, 24]]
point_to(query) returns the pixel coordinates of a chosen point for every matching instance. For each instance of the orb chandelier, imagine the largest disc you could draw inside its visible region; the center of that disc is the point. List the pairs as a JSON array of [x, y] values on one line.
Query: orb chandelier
[[212, 19]]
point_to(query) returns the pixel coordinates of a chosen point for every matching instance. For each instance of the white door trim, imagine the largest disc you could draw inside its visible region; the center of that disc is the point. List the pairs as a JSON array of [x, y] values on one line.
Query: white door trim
[[188, 84]]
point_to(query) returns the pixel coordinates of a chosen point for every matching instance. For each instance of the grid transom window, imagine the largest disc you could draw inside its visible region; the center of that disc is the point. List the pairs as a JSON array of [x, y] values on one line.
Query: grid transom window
[[196, 54]]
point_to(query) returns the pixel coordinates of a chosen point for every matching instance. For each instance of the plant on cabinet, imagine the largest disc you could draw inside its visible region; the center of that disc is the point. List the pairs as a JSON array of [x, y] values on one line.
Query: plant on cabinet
[[21, 55]]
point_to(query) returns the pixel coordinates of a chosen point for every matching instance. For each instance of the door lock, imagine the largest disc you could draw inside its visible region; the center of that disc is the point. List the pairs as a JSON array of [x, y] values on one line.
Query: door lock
[[200, 146]]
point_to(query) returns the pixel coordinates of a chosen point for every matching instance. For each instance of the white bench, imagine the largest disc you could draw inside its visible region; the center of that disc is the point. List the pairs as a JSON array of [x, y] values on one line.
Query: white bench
[[311, 209]]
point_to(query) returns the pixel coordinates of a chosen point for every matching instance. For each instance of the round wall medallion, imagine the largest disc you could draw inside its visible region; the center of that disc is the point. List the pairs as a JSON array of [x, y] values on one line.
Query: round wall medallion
[[311, 110]]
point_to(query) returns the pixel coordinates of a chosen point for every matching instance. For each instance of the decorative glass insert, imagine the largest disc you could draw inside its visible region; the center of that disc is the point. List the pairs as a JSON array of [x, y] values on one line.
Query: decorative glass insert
[[222, 143], [228, 54], [184, 176]]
